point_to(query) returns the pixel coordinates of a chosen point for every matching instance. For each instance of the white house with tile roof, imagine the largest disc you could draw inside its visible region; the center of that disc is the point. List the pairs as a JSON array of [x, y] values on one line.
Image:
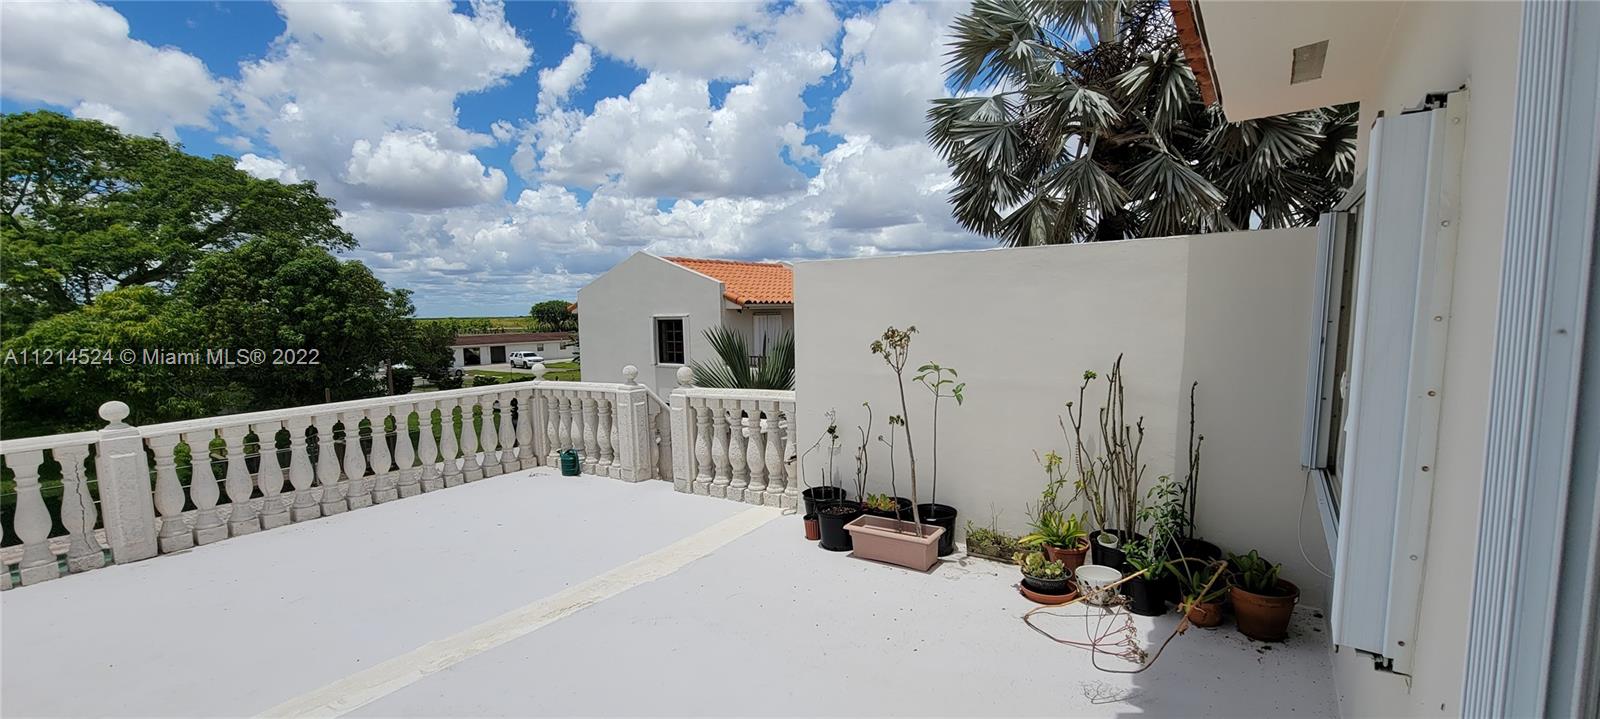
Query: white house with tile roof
[[652, 312]]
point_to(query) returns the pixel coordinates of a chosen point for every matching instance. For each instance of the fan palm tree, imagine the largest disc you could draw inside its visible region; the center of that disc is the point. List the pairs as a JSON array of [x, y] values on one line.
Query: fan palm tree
[[733, 369], [1078, 120]]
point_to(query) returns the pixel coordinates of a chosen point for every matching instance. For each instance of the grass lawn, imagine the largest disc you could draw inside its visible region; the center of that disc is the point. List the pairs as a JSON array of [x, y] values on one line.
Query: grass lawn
[[559, 372]]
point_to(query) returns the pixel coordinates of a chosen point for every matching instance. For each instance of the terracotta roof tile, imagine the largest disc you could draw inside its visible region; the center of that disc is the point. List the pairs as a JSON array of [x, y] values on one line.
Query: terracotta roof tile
[[746, 283]]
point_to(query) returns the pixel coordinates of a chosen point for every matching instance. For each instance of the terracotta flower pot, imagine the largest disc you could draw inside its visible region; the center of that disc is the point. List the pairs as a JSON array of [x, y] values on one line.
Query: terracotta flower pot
[[813, 531], [1205, 614], [1042, 598], [1069, 558], [895, 542], [1265, 617]]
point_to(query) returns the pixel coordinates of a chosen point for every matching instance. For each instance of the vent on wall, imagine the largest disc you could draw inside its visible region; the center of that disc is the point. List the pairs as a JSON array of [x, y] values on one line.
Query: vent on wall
[[1308, 61]]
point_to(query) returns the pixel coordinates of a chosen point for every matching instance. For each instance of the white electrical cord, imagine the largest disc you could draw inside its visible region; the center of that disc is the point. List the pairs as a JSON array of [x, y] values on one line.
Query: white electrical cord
[[1300, 527]]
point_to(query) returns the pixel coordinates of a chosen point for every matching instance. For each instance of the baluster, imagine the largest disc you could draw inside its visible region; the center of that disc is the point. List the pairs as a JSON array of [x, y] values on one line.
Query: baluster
[[32, 523], [663, 443], [489, 437], [405, 458], [383, 476], [552, 421], [563, 422], [208, 526], [428, 449], [509, 461], [591, 437], [719, 449], [755, 455], [328, 469], [702, 448], [791, 488], [174, 535], [603, 430], [241, 515], [305, 506], [77, 511], [774, 442], [575, 428], [736, 456], [447, 447], [269, 476], [525, 420], [471, 469], [356, 492]]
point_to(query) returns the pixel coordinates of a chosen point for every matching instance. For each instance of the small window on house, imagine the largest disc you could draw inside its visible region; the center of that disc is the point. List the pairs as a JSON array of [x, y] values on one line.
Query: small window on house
[[541, 348], [669, 340]]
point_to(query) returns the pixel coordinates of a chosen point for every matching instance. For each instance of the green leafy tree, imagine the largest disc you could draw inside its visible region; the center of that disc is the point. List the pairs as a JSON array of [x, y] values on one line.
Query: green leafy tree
[[555, 316], [1080, 121], [732, 369], [65, 393], [426, 349], [87, 209], [272, 294]]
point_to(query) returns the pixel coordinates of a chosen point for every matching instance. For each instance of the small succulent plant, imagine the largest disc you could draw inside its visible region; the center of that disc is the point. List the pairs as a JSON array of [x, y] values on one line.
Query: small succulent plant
[[1035, 565], [881, 503]]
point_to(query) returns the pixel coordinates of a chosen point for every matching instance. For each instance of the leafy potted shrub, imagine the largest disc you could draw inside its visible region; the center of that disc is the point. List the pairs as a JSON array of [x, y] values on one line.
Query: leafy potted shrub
[[909, 544], [1263, 602], [1061, 536], [991, 543], [1148, 555], [1043, 577], [1202, 584], [1059, 533], [932, 376]]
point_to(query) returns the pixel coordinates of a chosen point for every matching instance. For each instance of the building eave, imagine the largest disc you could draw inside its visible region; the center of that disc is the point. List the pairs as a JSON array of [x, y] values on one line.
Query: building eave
[[1192, 38]]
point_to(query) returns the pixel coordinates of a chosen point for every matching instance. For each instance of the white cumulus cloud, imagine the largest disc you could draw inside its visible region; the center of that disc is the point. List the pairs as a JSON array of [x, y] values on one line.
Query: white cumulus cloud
[[77, 54]]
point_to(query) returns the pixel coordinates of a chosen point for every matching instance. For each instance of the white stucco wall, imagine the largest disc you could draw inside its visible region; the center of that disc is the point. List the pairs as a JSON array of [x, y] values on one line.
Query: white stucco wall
[[616, 315], [1044, 315], [1434, 47]]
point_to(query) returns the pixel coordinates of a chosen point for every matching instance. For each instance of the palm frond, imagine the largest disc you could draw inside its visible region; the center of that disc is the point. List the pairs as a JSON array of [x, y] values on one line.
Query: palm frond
[[732, 369]]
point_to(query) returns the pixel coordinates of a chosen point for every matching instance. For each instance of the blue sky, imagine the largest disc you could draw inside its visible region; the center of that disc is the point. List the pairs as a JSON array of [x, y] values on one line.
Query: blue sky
[[488, 156]]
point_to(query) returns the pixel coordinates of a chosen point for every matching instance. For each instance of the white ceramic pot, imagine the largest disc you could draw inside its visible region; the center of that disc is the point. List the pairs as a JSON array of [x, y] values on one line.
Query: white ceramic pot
[[1092, 582]]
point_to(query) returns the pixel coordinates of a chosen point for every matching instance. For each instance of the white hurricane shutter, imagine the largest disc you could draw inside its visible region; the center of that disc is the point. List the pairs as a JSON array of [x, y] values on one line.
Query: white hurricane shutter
[[1406, 259]]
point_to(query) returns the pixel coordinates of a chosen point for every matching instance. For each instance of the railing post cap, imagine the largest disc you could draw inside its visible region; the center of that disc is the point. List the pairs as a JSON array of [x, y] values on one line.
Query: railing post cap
[[685, 377], [630, 374], [114, 412], [539, 370]]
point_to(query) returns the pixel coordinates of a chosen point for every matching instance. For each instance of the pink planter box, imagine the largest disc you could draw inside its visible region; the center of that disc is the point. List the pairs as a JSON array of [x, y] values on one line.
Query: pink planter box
[[895, 541]]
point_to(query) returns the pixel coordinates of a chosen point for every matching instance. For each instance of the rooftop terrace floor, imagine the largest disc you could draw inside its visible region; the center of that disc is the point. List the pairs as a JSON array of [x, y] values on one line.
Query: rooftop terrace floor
[[534, 594]]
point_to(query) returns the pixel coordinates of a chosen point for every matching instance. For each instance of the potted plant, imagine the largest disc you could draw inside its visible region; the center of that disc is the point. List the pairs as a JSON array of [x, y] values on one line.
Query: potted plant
[[832, 517], [909, 544], [1043, 580], [1145, 589], [883, 505], [828, 491], [1263, 602], [991, 543], [1190, 545], [1059, 533], [1110, 481], [1202, 585], [932, 376]]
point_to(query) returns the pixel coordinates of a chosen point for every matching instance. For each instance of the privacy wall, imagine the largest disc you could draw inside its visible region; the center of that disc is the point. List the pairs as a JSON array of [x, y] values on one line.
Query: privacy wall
[[1230, 310]]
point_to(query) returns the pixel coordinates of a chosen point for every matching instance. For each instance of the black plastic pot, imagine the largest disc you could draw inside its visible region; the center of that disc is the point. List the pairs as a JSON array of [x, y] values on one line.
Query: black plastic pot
[[822, 496], [941, 515], [902, 510], [831, 520], [1200, 549], [1108, 556], [1145, 596], [1055, 586]]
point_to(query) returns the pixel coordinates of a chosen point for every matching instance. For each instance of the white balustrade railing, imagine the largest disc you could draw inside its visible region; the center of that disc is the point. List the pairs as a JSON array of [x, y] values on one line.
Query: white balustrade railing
[[169, 487], [734, 443]]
